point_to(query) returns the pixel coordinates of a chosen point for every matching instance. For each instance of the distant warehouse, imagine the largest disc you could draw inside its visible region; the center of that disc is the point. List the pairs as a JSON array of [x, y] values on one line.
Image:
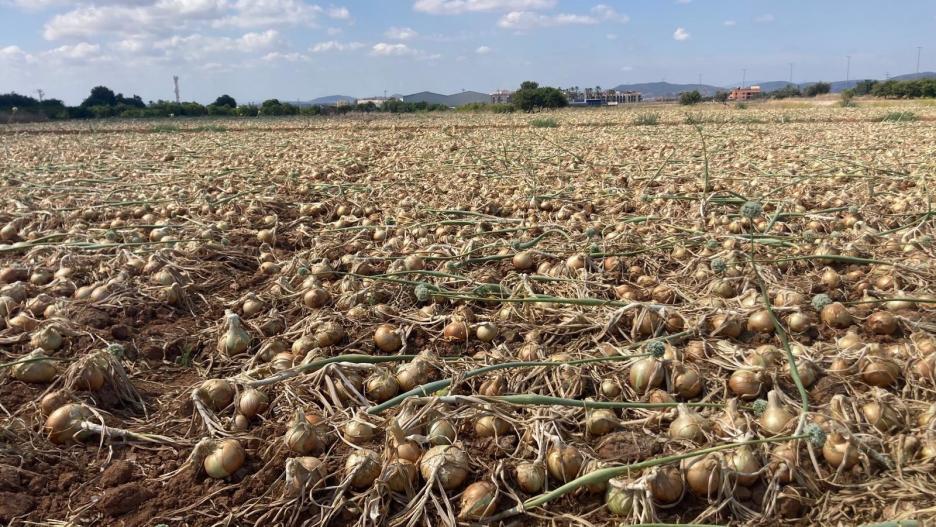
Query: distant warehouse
[[586, 97]]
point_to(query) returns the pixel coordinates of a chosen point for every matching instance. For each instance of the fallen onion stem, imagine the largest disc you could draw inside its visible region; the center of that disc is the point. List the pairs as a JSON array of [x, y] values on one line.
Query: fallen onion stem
[[605, 474], [36, 359], [547, 400], [429, 388]]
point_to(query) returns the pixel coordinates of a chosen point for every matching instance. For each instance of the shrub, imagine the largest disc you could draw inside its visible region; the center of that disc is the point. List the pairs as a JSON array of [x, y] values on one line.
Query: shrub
[[647, 119], [741, 106], [689, 98], [818, 88]]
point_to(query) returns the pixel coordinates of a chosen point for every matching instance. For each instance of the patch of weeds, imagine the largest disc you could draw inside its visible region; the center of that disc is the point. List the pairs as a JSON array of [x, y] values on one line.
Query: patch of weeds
[[163, 128], [647, 119], [210, 128], [544, 122], [898, 117]]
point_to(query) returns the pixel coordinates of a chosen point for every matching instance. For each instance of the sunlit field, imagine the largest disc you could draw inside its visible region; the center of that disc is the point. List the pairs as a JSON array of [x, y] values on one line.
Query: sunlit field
[[711, 314]]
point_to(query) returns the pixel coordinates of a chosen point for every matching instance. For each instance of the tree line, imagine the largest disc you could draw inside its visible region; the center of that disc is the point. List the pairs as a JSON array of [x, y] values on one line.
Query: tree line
[[103, 102]]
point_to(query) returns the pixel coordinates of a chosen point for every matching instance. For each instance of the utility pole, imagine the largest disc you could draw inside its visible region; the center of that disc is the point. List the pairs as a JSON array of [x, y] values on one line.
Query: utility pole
[[700, 80], [847, 68], [175, 80], [743, 77], [41, 94], [919, 49], [791, 73]]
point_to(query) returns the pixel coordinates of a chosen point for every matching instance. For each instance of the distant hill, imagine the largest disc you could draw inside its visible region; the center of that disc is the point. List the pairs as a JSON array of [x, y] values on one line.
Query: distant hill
[[455, 99], [666, 90], [838, 86]]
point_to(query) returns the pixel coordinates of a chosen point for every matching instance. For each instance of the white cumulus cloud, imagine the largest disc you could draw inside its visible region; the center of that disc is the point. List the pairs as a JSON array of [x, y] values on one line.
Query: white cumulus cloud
[[384, 49], [523, 20], [729, 23], [483, 50], [457, 7], [334, 45], [400, 33], [681, 34]]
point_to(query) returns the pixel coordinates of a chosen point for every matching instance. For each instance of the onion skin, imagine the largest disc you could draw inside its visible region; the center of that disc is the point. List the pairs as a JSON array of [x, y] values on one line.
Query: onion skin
[[218, 394], [881, 323], [564, 462], [400, 475], [37, 372], [776, 417], [838, 452], [646, 374], [227, 457], [387, 339], [363, 467], [746, 384], [531, 477], [303, 473], [448, 463], [703, 476], [880, 371], [666, 485], [836, 315], [478, 501], [64, 424], [252, 402], [620, 502]]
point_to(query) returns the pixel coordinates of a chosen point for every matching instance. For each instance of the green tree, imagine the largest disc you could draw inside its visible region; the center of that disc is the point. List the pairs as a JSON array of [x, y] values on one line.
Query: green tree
[[100, 96], [689, 98], [532, 96], [721, 96], [225, 100], [818, 88], [790, 90]]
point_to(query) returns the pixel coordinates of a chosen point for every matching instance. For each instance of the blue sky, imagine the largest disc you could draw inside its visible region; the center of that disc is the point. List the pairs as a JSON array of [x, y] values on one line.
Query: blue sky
[[296, 49]]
